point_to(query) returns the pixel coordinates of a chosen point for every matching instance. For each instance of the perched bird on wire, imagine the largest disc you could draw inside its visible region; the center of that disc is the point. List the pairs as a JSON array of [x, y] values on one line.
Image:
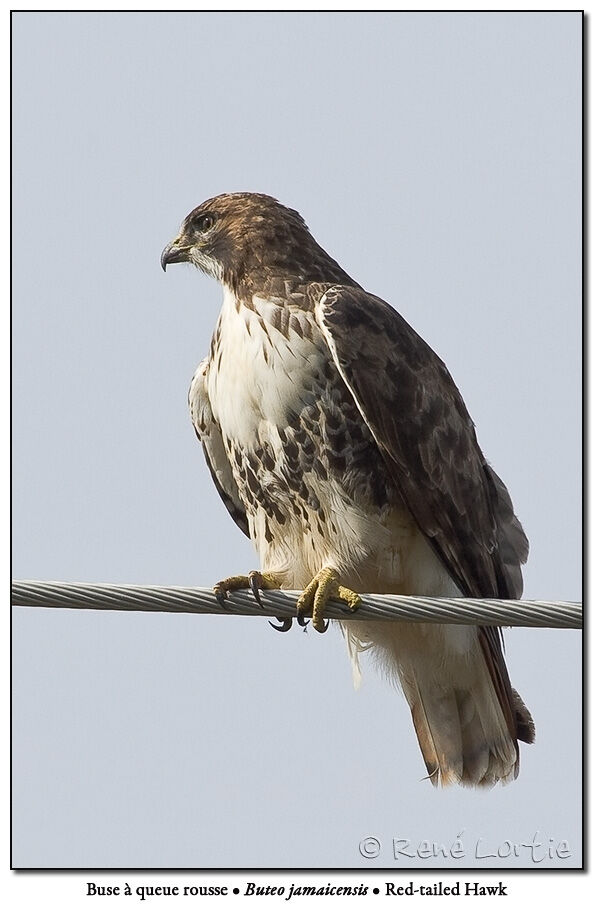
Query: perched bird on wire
[[342, 447]]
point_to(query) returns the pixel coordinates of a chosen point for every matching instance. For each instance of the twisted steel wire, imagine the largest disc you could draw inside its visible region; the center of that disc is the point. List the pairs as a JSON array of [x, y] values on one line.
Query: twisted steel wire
[[385, 607]]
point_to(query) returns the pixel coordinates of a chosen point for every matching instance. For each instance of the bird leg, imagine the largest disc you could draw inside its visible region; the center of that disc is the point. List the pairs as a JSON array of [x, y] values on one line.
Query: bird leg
[[255, 581], [322, 588]]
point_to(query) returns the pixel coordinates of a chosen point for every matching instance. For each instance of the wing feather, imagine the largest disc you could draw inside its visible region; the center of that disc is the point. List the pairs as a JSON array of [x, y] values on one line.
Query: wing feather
[[209, 434], [418, 418]]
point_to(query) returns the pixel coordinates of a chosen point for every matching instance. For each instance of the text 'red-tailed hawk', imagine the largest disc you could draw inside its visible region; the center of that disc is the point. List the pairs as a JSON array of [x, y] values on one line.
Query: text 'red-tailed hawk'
[[341, 446]]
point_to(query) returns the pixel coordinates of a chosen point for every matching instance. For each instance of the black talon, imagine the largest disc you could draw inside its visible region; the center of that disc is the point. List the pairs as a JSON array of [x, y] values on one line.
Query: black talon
[[255, 589], [303, 621], [327, 623], [221, 596], [284, 626]]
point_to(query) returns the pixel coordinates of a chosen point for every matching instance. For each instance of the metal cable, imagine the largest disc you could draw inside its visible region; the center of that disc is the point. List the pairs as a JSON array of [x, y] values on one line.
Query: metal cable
[[456, 611]]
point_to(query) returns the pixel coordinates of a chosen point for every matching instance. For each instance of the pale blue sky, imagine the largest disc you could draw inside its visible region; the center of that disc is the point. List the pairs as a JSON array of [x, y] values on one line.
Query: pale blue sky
[[437, 157]]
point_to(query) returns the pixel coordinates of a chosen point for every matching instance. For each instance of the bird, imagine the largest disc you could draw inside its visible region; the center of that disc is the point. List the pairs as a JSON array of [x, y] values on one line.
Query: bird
[[342, 447]]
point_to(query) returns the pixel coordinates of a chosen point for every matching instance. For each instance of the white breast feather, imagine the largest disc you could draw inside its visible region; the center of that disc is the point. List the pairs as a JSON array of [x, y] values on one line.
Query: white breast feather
[[244, 389]]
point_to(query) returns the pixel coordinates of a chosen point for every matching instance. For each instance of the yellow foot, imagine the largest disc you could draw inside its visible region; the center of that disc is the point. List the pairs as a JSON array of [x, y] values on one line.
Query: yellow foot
[[255, 581], [324, 587]]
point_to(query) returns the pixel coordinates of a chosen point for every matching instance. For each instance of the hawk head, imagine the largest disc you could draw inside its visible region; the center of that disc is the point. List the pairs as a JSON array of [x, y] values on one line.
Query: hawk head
[[243, 239]]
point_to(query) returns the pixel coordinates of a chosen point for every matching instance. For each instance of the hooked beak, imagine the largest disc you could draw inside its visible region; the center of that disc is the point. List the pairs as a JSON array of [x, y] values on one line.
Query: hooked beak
[[174, 252]]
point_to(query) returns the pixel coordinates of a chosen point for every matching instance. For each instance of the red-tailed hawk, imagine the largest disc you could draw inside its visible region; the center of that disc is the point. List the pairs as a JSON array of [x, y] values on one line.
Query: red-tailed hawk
[[341, 446]]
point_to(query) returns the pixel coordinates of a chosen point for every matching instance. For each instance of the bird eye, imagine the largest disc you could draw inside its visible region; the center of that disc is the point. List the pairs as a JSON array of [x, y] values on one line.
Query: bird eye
[[203, 223]]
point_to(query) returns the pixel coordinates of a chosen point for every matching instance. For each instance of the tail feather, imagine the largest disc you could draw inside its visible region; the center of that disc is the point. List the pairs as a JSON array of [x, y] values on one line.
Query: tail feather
[[466, 716], [440, 753], [476, 757], [461, 736]]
